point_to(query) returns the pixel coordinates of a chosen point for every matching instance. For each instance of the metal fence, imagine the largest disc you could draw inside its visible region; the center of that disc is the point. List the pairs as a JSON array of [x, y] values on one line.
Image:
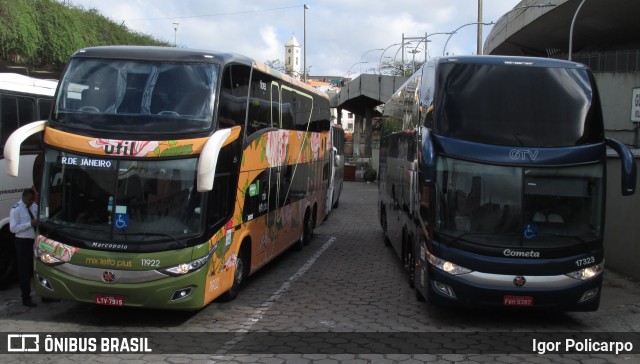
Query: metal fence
[[620, 61]]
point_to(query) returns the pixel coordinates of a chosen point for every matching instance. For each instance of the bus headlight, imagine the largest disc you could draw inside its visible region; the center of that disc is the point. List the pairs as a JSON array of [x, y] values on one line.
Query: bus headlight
[[47, 258], [446, 265], [188, 267], [587, 273]]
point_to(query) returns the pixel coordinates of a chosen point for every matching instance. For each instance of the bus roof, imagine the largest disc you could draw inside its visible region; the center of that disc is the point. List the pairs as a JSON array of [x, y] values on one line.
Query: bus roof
[[155, 53], [173, 54], [28, 85], [511, 60]]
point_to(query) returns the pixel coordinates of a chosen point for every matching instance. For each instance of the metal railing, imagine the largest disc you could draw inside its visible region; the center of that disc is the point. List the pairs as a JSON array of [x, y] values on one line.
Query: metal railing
[[620, 61]]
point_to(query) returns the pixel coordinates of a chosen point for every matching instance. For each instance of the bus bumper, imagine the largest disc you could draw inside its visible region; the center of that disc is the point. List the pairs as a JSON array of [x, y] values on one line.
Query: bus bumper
[[163, 293], [559, 293]]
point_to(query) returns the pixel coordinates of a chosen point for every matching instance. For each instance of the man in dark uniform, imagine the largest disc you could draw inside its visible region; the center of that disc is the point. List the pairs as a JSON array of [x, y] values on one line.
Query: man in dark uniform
[[23, 223]]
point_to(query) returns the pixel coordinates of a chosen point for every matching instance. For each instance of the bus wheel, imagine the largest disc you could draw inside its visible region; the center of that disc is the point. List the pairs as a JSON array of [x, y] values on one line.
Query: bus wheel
[[307, 234], [411, 261], [239, 276], [383, 223], [337, 203], [414, 275], [8, 268], [419, 296]]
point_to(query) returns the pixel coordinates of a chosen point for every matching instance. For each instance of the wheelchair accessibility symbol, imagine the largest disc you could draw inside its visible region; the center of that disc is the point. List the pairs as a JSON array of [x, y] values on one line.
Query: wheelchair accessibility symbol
[[530, 231], [121, 221]]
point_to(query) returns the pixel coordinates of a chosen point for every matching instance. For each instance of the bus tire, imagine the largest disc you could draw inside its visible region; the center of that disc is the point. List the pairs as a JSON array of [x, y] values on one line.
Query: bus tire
[[337, 203], [8, 264], [240, 274], [411, 261], [307, 233], [383, 223], [419, 296]]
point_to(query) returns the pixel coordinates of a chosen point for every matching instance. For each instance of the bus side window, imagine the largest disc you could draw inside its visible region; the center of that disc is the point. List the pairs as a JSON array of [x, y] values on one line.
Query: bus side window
[[259, 103], [44, 109], [233, 96], [303, 112], [15, 112], [288, 109], [8, 117]]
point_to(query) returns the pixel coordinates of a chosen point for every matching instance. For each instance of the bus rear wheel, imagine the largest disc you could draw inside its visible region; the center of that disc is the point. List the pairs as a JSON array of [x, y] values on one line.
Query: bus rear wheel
[[307, 233], [383, 223]]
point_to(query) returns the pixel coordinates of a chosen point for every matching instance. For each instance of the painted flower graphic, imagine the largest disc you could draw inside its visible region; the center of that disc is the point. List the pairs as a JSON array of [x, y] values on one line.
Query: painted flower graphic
[[315, 145], [276, 152], [286, 215], [264, 242]]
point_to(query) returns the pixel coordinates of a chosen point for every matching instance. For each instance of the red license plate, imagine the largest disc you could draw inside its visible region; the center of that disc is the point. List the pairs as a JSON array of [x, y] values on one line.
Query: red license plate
[[109, 300], [526, 301]]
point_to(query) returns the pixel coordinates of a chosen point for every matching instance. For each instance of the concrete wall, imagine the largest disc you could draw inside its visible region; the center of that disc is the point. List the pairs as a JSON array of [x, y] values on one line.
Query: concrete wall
[[615, 95], [622, 225]]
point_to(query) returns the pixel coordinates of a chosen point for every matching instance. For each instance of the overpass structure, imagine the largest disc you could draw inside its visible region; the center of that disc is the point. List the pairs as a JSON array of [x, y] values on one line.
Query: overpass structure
[[601, 26], [606, 37], [361, 96]]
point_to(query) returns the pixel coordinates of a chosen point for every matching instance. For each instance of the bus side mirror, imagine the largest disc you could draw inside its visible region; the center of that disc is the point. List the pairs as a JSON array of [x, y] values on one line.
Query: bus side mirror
[[628, 163], [12, 146], [336, 157], [427, 159], [209, 156]]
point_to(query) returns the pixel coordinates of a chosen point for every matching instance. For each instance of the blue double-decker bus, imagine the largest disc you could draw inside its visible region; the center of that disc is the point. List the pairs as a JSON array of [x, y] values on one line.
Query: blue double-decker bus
[[493, 194]]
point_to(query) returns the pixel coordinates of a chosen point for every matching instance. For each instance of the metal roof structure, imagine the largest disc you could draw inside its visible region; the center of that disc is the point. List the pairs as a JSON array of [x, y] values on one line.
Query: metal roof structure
[[600, 26], [365, 92]]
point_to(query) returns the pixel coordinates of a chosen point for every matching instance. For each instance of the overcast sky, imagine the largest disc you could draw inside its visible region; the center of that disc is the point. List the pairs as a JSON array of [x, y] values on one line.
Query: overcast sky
[[340, 33]]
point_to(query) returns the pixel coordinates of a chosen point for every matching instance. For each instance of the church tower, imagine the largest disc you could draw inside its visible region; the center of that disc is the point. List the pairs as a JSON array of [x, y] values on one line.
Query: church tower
[[292, 57]]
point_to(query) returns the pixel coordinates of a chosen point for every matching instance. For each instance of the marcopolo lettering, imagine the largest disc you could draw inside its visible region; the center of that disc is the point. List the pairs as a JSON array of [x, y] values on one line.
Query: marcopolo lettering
[[521, 254], [109, 246]]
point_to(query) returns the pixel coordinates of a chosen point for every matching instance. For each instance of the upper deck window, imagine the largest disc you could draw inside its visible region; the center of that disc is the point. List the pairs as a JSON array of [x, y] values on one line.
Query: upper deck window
[[517, 105], [121, 95]]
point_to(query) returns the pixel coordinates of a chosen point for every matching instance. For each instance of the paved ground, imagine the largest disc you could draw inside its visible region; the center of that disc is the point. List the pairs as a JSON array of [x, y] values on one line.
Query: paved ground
[[344, 291]]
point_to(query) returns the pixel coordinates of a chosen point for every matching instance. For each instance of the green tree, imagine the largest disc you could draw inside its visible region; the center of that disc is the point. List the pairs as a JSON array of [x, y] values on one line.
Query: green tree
[[45, 33]]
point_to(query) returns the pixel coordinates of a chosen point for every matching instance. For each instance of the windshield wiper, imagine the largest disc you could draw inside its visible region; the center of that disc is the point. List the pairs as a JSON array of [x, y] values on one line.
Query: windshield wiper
[[581, 240], [460, 236], [182, 243], [54, 230]]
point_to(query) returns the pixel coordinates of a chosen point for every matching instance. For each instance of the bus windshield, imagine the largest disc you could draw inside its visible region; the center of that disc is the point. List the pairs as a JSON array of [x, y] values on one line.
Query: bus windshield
[[89, 197], [514, 206], [122, 95], [517, 105]]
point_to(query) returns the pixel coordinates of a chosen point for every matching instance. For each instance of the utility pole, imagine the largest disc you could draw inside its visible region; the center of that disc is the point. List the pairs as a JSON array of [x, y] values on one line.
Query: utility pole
[[175, 34], [304, 44], [479, 45]]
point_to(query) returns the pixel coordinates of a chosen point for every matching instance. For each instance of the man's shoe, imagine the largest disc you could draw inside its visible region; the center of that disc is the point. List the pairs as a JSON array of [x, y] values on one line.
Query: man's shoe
[[28, 303]]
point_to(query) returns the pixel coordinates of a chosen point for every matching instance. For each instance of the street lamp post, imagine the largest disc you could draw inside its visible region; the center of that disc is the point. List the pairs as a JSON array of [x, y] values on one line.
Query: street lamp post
[[426, 42], [175, 34], [380, 62], [571, 29], [349, 71], [304, 42], [413, 60], [365, 53], [460, 27]]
